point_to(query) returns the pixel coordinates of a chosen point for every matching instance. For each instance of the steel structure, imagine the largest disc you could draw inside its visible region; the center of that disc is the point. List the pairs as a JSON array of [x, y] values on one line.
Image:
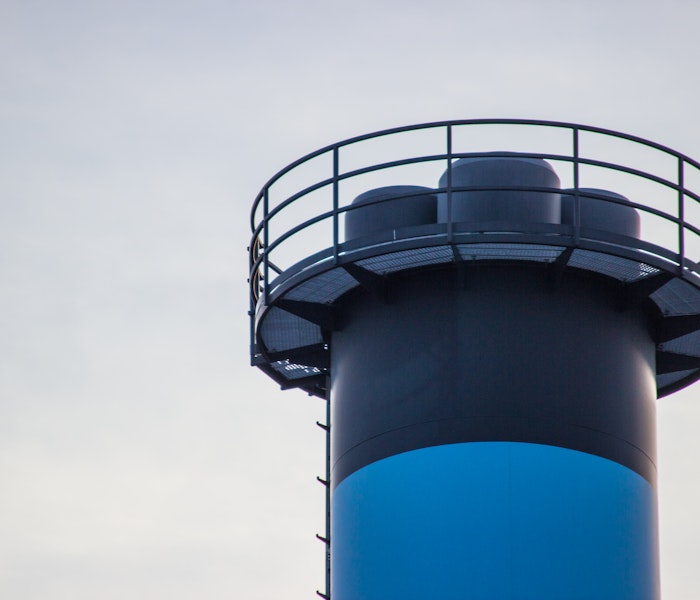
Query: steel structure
[[408, 316]]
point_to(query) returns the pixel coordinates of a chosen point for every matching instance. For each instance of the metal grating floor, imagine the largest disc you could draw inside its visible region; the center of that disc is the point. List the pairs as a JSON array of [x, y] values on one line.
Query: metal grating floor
[[619, 268], [529, 252], [294, 371], [407, 259], [677, 298], [688, 345], [283, 332], [324, 288], [663, 381]]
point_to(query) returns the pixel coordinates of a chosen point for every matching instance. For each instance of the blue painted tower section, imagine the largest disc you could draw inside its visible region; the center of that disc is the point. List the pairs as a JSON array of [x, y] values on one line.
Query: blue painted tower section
[[487, 520]]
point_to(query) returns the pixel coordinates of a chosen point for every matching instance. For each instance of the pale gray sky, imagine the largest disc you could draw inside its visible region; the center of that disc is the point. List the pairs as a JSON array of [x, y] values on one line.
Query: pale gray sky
[[140, 457]]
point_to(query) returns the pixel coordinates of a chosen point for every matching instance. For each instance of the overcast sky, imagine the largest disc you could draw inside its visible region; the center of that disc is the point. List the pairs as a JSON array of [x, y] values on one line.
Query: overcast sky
[[140, 456]]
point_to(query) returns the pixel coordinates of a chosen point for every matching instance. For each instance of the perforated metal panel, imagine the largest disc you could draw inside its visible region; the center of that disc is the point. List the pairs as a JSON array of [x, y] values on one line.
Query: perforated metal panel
[[622, 269], [528, 252], [407, 259], [294, 371], [663, 381], [677, 297], [324, 288], [688, 345], [284, 331]]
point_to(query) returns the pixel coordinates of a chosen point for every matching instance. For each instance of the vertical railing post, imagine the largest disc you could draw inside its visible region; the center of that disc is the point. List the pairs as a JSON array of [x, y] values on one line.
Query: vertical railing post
[[577, 197], [450, 228], [253, 291], [336, 169], [266, 241], [681, 217], [251, 323]]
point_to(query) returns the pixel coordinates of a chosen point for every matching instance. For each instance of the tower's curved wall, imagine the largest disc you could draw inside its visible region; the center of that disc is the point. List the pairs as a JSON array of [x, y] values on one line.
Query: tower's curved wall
[[501, 436]]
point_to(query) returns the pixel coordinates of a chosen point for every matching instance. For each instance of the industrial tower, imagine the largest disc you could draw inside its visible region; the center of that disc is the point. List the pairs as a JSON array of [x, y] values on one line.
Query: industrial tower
[[491, 309]]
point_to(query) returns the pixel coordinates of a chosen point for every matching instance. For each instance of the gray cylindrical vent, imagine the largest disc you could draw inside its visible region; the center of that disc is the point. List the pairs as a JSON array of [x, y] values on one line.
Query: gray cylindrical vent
[[598, 213], [399, 206], [496, 171]]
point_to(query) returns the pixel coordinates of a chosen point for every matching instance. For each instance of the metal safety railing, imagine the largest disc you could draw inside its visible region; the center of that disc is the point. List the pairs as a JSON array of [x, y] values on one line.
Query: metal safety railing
[[267, 250]]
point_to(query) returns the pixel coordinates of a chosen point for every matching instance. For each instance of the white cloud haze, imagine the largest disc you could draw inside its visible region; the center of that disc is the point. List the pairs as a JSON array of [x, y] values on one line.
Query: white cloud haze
[[140, 456]]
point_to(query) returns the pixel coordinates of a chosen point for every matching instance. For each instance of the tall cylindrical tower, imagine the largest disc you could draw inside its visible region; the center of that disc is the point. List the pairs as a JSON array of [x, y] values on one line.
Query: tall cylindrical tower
[[491, 350]]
